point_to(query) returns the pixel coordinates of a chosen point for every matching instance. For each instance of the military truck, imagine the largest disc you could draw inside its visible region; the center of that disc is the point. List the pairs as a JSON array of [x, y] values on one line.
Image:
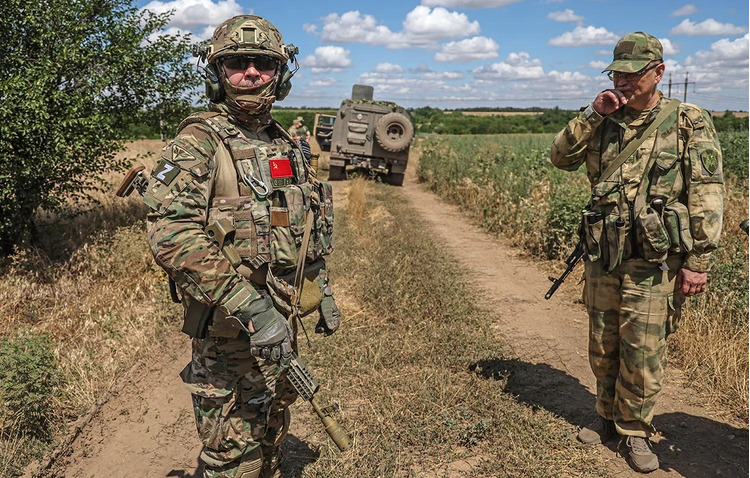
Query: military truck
[[323, 130], [371, 136]]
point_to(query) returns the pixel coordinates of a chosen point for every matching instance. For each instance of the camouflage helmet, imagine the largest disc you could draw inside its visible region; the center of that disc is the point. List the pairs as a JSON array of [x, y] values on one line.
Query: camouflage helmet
[[634, 52], [248, 34]]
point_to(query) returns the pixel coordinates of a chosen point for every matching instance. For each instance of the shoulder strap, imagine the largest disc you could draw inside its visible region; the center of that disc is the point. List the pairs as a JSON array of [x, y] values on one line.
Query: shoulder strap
[[668, 109]]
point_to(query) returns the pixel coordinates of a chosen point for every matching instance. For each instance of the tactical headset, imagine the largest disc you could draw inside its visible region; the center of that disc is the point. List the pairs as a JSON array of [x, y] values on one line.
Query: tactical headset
[[215, 90]]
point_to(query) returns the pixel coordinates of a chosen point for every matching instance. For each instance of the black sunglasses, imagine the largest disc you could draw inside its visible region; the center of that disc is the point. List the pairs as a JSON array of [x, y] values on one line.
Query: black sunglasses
[[242, 62], [630, 76]]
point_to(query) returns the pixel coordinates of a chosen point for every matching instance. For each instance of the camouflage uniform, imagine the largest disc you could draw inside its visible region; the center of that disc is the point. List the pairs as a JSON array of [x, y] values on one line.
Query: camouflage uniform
[[635, 246], [298, 132], [242, 167]]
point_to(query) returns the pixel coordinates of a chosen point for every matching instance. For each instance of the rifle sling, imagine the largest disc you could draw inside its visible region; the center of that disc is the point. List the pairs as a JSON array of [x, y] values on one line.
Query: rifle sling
[[638, 140]]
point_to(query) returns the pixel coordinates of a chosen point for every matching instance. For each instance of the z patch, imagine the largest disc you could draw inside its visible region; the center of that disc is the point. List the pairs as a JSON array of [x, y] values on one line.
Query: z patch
[[165, 172], [710, 161]]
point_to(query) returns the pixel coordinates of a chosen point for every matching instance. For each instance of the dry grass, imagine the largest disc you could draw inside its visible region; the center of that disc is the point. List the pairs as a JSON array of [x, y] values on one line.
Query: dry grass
[[404, 366]]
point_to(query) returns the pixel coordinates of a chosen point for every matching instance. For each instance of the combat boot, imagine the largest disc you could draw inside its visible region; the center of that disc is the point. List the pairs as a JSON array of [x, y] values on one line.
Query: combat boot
[[598, 431], [641, 458]]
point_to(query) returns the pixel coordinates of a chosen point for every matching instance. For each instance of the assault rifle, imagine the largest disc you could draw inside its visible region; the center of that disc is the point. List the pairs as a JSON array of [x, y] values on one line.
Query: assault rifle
[[306, 386], [571, 262]]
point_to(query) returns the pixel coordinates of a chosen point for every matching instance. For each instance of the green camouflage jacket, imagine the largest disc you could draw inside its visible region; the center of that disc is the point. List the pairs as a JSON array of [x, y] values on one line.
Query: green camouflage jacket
[[686, 175], [189, 189]]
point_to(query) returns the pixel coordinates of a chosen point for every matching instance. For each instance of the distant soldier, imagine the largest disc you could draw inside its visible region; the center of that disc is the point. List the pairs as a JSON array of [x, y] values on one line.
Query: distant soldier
[[298, 130], [236, 211], [653, 221]]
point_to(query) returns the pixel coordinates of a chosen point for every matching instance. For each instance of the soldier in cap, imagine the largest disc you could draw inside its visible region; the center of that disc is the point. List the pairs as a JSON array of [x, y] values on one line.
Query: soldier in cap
[[235, 212], [653, 221], [299, 130]]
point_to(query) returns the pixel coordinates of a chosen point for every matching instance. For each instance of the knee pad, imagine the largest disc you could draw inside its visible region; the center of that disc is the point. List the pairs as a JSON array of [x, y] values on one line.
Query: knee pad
[[251, 464]]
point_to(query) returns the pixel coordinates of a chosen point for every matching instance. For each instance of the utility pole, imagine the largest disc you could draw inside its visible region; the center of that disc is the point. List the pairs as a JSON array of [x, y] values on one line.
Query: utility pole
[[684, 98], [669, 94]]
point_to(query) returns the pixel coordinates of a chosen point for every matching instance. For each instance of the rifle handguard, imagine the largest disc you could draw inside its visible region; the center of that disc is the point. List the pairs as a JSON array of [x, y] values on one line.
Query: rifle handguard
[[134, 180]]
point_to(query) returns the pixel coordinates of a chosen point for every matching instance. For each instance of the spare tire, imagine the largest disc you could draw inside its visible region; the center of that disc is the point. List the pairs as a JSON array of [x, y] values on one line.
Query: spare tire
[[394, 132]]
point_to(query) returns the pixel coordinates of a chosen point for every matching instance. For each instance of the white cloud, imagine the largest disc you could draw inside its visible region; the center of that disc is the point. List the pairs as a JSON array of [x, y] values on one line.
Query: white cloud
[[468, 3], [724, 53], [353, 27], [585, 36], [688, 9], [328, 59], [670, 49], [437, 24], [518, 66], [597, 65], [422, 28], [193, 13], [310, 28], [706, 27], [566, 15], [469, 49], [443, 76], [323, 82], [388, 68]]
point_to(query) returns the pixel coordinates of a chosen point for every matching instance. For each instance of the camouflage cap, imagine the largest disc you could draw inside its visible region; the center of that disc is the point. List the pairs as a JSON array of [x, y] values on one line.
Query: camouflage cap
[[634, 51], [299, 120], [249, 34]]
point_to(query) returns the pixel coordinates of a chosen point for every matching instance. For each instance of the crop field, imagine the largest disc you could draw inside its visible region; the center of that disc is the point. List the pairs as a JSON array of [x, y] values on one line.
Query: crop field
[[509, 186]]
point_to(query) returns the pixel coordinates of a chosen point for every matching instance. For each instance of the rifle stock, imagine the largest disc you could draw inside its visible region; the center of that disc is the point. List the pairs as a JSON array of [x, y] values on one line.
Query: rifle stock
[[571, 262], [306, 386]]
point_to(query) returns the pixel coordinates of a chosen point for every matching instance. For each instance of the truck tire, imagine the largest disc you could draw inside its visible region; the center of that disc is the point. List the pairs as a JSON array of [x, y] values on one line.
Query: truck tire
[[395, 179], [394, 132], [336, 173]]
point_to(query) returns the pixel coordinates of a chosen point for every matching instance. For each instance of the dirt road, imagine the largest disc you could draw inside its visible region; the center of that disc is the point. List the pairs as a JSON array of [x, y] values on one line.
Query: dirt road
[[145, 429]]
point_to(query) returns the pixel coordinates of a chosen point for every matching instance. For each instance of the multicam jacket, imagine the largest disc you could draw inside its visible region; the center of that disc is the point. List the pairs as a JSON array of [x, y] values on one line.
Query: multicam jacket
[[676, 209], [255, 178]]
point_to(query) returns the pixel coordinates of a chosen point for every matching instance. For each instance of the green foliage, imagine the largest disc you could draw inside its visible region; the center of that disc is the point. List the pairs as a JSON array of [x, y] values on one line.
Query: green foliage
[[286, 116], [74, 75], [431, 120], [730, 122], [734, 148], [29, 378]]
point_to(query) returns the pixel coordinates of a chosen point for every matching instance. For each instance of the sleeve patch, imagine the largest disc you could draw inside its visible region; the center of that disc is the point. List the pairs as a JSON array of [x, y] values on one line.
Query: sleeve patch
[[165, 172], [710, 161]]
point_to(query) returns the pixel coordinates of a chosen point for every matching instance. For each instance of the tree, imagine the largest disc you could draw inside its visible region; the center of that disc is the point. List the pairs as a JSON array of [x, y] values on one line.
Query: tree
[[73, 76]]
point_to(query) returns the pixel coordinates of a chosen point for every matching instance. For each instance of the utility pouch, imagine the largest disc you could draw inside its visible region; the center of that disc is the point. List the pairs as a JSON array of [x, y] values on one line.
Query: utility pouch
[[594, 240], [653, 237], [288, 209], [197, 317], [615, 232], [251, 222], [281, 288], [677, 224]]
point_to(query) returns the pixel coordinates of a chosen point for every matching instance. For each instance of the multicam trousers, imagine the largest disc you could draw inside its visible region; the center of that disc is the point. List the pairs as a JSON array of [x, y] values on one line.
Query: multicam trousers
[[631, 312], [240, 403]]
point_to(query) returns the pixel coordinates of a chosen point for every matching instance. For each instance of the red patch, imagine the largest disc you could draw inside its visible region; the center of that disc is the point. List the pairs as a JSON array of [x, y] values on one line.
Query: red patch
[[281, 168]]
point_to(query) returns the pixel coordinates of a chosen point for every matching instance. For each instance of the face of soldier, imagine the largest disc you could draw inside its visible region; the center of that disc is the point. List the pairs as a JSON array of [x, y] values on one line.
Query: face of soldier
[[640, 90], [244, 71]]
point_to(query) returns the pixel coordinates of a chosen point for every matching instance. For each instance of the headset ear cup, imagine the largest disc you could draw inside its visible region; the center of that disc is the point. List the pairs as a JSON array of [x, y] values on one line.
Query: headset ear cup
[[285, 83], [214, 89]]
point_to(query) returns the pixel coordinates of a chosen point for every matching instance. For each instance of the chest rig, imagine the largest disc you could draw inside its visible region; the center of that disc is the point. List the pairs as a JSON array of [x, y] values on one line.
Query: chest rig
[[264, 198]]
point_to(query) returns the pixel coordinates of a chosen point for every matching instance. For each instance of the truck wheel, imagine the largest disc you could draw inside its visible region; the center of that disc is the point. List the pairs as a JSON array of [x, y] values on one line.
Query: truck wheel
[[396, 179], [336, 173], [394, 132]]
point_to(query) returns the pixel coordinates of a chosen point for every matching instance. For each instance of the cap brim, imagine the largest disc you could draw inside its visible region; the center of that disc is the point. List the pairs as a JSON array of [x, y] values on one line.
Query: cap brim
[[627, 66]]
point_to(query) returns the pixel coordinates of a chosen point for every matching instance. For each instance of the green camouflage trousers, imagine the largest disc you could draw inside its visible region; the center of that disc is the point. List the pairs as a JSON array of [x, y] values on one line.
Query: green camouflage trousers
[[631, 312], [240, 402]]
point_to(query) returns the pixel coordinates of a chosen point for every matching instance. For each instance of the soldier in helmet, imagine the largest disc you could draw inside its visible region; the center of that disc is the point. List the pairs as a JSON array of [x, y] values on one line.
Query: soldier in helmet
[[298, 130], [242, 226], [648, 232]]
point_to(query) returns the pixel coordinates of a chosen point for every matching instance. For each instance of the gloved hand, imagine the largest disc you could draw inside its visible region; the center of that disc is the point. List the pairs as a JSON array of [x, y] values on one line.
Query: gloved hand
[[268, 329], [330, 317]]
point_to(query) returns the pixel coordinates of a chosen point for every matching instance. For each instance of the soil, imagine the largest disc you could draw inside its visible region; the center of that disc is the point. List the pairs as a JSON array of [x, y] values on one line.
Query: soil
[[145, 428]]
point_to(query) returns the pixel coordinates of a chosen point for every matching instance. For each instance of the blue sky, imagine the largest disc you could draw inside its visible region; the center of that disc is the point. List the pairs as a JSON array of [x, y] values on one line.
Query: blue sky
[[490, 53]]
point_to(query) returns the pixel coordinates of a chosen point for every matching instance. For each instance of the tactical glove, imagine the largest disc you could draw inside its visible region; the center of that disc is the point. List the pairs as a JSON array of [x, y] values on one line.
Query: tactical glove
[[330, 317], [270, 338]]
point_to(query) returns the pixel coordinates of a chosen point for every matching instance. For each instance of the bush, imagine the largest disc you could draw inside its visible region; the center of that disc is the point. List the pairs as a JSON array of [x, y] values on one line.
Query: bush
[[29, 379]]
